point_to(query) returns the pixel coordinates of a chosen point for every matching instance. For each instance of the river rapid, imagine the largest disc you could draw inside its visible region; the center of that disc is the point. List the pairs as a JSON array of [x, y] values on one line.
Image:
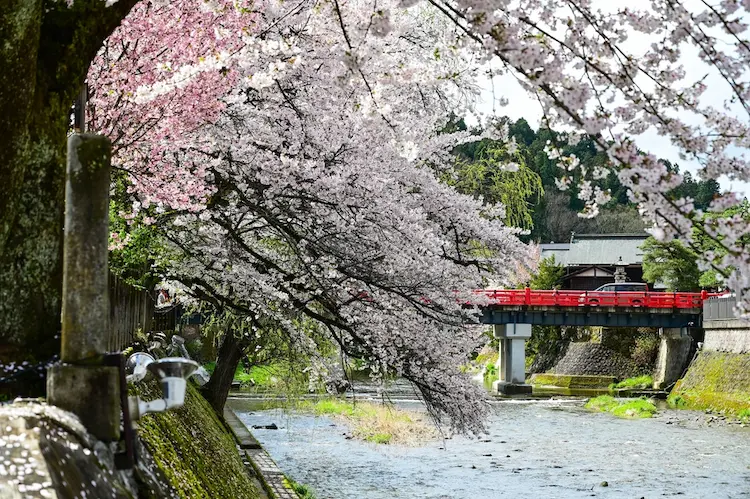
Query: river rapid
[[533, 449]]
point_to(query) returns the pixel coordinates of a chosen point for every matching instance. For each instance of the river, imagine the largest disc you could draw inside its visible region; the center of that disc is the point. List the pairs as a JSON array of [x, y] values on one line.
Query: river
[[534, 449]]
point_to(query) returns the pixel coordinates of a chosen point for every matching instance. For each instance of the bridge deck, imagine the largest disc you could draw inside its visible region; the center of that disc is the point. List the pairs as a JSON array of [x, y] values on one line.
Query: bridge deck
[[573, 298], [593, 308], [592, 316]]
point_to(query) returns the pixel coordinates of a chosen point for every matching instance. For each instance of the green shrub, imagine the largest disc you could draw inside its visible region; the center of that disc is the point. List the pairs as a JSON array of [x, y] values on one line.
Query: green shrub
[[645, 349], [303, 491]]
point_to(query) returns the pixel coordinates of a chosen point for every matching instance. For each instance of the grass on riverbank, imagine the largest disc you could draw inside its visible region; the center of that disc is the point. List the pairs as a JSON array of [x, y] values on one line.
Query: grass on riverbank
[[624, 408], [376, 423], [638, 383], [302, 491]]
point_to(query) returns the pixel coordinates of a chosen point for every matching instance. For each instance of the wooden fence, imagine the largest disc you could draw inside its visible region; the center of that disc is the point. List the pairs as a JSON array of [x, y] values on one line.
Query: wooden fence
[[130, 309]]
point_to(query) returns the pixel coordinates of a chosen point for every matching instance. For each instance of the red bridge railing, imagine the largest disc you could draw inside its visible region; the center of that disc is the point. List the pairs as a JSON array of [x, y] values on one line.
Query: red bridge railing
[[572, 298]]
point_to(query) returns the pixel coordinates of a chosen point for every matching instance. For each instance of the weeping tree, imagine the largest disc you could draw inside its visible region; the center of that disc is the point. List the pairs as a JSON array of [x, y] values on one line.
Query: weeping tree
[[498, 173]]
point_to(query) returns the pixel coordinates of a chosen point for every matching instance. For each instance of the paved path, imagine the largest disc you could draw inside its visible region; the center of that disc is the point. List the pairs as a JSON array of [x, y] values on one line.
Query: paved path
[[261, 464]]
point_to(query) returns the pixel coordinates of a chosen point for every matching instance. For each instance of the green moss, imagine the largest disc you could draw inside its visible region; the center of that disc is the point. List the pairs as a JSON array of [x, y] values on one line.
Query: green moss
[[637, 383], [192, 448], [624, 408], [602, 403], [571, 381], [717, 382]]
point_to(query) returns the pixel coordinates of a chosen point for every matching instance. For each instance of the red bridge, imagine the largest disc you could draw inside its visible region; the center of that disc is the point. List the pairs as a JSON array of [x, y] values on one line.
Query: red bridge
[[568, 298], [593, 308], [512, 312]]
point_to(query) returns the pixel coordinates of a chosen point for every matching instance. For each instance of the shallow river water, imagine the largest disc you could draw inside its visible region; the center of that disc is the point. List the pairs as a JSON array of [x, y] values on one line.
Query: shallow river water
[[534, 449]]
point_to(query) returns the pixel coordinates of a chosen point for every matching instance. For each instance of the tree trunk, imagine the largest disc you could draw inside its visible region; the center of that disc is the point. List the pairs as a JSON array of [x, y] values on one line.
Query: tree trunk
[[217, 389], [47, 48]]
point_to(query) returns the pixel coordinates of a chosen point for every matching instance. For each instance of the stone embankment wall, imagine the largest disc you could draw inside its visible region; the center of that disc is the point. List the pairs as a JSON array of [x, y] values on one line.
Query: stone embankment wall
[[193, 449], [595, 359], [718, 379], [46, 452]]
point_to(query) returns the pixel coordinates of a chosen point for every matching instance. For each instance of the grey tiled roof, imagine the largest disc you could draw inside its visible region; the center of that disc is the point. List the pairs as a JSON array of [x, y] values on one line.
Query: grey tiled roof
[[598, 249]]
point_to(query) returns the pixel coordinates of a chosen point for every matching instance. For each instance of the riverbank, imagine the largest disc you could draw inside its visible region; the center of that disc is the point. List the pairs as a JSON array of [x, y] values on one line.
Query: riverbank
[[718, 382]]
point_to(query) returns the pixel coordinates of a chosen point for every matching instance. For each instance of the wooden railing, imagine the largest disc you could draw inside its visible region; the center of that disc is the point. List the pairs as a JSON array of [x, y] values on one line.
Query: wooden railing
[[130, 309]]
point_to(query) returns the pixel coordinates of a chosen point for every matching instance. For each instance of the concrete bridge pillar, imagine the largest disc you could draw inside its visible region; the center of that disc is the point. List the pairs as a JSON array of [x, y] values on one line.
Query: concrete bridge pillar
[[674, 349], [511, 361]]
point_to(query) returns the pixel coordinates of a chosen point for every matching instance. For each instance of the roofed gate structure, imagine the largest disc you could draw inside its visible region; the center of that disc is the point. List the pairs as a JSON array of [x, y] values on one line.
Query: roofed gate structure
[[591, 260]]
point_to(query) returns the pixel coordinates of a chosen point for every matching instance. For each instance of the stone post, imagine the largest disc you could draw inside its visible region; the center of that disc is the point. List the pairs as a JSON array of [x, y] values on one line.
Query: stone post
[[511, 360], [674, 349], [81, 384]]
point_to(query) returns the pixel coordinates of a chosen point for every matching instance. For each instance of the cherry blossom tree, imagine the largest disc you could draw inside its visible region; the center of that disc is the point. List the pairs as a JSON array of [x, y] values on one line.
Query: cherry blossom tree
[[615, 72], [321, 205], [157, 79]]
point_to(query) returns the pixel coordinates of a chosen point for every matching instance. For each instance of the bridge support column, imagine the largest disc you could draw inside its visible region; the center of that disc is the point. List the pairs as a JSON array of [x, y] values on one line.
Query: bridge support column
[[674, 349], [511, 361]]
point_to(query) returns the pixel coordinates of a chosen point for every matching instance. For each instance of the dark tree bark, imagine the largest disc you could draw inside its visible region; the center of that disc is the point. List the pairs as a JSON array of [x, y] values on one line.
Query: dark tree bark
[[217, 389], [45, 52]]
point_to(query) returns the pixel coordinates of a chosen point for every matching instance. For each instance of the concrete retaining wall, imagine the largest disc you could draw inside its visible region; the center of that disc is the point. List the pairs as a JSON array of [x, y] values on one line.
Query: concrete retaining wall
[[732, 336]]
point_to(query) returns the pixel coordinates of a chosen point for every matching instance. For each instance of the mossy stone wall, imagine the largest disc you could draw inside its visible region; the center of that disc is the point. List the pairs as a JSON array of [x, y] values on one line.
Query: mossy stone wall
[[591, 359], [717, 381], [193, 449], [571, 381]]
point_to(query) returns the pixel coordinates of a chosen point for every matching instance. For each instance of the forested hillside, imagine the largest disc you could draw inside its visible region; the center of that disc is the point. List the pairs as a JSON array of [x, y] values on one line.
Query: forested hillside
[[549, 213]]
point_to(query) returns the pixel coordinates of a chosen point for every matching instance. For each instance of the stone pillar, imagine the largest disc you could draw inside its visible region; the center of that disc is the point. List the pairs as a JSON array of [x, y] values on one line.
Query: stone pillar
[[82, 384], [674, 349], [511, 361]]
